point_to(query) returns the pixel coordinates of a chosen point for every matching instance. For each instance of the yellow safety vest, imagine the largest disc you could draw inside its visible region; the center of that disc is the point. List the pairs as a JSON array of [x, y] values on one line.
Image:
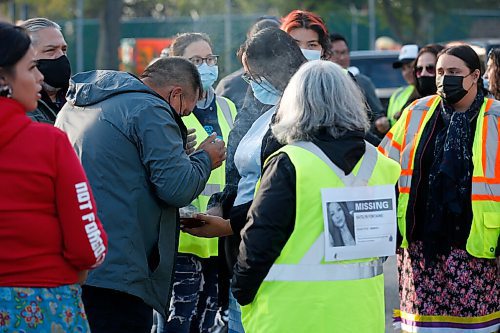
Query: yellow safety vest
[[401, 143], [208, 247], [397, 102], [302, 292]]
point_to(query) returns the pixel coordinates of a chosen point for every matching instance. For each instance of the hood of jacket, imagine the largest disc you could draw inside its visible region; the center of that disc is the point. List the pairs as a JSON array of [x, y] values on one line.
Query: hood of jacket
[[12, 120], [92, 87]]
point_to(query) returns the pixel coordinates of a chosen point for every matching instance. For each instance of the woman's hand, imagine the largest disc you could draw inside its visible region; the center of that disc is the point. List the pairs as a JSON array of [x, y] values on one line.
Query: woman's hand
[[214, 226], [382, 124]]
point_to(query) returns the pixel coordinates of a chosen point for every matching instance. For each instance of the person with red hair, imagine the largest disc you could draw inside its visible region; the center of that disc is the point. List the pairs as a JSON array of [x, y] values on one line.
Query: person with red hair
[[310, 33]]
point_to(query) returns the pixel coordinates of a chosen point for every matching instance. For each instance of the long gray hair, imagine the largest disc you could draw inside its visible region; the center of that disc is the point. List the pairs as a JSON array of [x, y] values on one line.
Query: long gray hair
[[321, 95]]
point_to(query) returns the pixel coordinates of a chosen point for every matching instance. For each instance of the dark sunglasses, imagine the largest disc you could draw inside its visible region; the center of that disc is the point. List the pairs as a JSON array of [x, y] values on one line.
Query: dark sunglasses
[[431, 69]]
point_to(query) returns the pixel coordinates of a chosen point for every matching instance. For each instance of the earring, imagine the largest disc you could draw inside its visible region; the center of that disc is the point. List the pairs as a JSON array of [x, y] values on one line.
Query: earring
[[6, 91]]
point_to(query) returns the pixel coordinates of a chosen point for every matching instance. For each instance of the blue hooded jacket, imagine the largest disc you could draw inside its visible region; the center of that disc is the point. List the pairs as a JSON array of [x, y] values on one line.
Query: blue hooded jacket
[[131, 144]]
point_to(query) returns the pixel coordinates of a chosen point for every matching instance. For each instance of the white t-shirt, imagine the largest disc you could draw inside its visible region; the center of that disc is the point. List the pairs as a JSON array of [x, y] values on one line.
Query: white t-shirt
[[247, 157]]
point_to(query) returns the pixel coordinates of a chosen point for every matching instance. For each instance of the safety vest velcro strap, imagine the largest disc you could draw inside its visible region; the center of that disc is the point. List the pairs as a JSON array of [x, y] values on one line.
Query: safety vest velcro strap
[[210, 189], [325, 272]]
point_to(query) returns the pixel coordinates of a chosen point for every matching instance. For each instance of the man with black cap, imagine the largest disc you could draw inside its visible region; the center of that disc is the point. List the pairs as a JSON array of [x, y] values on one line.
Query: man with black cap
[[50, 52], [406, 94]]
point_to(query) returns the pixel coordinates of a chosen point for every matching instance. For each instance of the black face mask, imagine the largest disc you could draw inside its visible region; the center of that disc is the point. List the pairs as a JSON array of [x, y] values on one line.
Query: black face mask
[[426, 85], [451, 88], [56, 72]]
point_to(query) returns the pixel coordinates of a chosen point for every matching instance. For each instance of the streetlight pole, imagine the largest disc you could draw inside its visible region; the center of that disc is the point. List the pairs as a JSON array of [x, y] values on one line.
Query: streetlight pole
[[227, 37], [354, 27], [79, 36], [12, 11], [371, 13]]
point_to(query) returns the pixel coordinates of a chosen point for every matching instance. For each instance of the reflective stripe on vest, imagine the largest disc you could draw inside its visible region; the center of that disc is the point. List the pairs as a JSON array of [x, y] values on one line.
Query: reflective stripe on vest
[[211, 189], [491, 137], [310, 267], [487, 187], [365, 170], [414, 122], [226, 111], [389, 141], [333, 272]]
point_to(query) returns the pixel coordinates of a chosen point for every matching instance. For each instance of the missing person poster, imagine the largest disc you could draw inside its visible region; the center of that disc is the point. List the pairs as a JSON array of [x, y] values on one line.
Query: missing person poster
[[359, 222]]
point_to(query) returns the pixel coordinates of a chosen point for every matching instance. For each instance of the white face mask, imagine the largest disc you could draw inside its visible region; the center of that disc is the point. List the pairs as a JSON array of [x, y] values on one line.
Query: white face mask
[[311, 54]]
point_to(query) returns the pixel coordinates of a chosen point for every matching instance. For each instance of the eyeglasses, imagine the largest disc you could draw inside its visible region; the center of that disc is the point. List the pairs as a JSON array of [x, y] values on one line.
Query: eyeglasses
[[247, 78], [211, 60], [431, 69]]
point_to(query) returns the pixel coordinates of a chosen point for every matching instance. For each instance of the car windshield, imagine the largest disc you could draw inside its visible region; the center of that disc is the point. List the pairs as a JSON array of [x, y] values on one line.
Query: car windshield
[[380, 71]]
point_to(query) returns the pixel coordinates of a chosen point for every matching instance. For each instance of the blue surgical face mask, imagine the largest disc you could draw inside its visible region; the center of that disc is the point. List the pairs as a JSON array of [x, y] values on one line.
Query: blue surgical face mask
[[208, 75], [486, 83], [265, 92], [311, 54]]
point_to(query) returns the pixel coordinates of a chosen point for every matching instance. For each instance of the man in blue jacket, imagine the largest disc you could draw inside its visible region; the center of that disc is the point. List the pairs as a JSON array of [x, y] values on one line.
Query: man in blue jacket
[[131, 140]]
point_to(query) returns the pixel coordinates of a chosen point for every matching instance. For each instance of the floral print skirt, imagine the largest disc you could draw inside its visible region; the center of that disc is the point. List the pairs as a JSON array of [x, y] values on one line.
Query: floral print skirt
[[42, 310], [457, 291]]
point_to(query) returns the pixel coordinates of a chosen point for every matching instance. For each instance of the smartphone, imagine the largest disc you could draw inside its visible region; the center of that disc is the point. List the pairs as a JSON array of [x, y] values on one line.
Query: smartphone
[[191, 222]]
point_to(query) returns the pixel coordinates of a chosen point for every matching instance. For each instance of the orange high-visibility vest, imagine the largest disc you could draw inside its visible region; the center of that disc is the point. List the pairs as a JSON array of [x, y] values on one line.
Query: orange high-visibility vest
[[401, 144]]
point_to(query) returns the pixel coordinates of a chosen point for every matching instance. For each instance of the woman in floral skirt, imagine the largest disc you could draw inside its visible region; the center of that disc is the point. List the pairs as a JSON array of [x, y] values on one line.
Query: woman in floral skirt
[[49, 231], [449, 202]]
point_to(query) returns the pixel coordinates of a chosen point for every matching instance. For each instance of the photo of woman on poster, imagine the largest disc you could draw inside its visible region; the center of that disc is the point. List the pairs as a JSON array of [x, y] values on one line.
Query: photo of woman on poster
[[341, 225]]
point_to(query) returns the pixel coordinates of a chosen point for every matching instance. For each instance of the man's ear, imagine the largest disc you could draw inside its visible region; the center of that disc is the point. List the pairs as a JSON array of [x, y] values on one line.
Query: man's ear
[[176, 90], [477, 75]]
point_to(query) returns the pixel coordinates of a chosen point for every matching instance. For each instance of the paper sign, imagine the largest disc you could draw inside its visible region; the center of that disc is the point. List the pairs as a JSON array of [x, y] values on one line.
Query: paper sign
[[359, 222]]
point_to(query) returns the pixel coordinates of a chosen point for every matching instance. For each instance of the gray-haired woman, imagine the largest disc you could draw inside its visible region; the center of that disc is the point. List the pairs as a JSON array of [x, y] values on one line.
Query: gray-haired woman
[[321, 107]]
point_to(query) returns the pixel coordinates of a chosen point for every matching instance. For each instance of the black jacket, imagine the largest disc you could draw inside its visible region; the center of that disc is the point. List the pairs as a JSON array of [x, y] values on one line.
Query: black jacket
[[46, 111], [271, 218]]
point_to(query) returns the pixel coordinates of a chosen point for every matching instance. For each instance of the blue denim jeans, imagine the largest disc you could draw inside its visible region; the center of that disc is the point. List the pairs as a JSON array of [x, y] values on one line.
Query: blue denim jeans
[[193, 305], [235, 325]]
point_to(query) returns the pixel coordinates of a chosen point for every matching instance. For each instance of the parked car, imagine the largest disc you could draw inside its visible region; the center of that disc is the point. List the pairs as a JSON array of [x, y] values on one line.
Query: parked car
[[377, 65]]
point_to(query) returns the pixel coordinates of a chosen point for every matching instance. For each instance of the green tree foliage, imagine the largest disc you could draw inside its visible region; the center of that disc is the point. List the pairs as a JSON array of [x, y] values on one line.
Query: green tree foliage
[[408, 20], [414, 20]]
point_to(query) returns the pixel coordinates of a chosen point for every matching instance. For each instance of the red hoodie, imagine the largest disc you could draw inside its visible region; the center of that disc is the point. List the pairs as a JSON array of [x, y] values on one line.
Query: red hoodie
[[49, 230]]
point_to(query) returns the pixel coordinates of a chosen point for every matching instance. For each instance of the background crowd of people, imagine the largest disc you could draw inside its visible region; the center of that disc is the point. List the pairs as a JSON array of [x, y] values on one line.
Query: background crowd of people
[[96, 165]]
